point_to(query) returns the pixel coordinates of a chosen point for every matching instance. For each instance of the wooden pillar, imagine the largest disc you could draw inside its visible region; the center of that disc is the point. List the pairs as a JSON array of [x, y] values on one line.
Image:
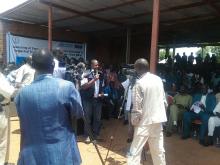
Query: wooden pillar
[[174, 52], [128, 46], [50, 28], [154, 36], [167, 51], [202, 52], [173, 56]]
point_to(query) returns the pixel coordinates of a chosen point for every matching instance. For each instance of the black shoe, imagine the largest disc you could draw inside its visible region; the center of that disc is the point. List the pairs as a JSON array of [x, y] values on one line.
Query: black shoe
[[210, 141], [203, 143], [168, 134], [125, 122], [129, 140], [175, 129], [185, 137]]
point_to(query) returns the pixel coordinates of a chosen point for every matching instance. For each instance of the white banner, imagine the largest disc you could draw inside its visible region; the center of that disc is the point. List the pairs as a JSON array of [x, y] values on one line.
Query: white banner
[[18, 48]]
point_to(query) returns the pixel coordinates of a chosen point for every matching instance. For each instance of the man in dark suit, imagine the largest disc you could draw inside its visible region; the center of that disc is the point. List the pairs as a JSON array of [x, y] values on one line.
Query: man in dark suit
[[203, 106], [92, 87]]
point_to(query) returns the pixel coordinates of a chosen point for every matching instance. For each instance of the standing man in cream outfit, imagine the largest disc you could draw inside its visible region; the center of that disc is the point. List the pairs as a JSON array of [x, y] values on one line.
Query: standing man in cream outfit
[[6, 92], [147, 115]]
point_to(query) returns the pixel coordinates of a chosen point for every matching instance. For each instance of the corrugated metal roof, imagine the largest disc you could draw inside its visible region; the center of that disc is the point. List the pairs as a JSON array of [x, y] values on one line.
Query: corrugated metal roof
[[91, 15]]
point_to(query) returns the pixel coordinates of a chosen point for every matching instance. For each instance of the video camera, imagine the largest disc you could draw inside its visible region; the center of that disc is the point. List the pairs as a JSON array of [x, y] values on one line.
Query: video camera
[[74, 72], [130, 73]]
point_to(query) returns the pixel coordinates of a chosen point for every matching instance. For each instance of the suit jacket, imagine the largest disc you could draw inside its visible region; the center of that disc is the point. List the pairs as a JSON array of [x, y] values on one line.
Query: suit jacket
[[210, 102], [45, 108], [148, 101], [88, 94]]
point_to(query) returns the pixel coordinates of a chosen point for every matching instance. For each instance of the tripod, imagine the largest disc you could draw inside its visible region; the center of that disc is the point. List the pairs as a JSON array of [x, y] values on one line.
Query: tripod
[[130, 85], [92, 139]]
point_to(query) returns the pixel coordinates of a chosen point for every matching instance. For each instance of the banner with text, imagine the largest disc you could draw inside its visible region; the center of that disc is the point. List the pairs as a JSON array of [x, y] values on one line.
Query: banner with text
[[18, 48]]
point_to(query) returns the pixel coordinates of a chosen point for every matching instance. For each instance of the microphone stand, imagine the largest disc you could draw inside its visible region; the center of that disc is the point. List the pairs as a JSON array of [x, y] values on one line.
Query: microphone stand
[[124, 99], [91, 136], [92, 139]]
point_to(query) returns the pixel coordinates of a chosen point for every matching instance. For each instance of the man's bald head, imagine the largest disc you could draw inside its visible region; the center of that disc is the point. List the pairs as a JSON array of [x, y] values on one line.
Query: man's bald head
[[43, 61], [94, 64], [141, 64], [29, 60], [58, 53]]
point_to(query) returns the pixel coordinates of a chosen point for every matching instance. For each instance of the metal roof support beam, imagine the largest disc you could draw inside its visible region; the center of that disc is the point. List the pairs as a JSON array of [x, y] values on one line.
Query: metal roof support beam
[[128, 45], [50, 3], [50, 13], [154, 36]]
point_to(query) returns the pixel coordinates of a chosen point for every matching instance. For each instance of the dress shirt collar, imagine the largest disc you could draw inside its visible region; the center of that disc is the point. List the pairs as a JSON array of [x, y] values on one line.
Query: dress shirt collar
[[42, 76], [139, 77]]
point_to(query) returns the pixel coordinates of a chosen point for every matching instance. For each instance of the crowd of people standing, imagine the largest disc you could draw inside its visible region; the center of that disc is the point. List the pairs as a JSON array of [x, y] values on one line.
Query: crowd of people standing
[[181, 93]]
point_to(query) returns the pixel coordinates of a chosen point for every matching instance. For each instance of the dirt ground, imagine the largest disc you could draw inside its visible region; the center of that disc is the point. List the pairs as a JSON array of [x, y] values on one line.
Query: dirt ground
[[178, 152]]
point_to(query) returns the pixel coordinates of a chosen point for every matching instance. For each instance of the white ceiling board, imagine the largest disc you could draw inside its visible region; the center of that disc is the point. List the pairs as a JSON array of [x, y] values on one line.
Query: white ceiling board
[[108, 14], [139, 20], [37, 12], [96, 26], [170, 16], [75, 21], [195, 11], [174, 3], [137, 8], [108, 3], [79, 5]]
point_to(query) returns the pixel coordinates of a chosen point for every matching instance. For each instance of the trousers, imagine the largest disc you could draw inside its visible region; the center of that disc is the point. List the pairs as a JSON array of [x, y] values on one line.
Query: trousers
[[4, 134], [213, 122], [93, 113], [176, 114], [187, 122], [154, 135]]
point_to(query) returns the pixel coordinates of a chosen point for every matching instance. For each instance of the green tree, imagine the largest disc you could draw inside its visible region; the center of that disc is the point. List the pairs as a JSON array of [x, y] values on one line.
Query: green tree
[[205, 51], [215, 50], [162, 54]]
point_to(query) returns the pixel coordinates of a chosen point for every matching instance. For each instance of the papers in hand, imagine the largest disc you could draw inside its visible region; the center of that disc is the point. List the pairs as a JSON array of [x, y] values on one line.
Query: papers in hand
[[217, 108], [197, 107]]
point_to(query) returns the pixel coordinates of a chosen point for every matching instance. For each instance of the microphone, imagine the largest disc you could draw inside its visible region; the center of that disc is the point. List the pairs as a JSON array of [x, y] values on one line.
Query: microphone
[[96, 72]]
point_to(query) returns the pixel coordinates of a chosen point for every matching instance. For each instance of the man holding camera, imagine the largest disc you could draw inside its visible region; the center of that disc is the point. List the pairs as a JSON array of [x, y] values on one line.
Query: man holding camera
[[59, 67], [147, 115], [92, 93]]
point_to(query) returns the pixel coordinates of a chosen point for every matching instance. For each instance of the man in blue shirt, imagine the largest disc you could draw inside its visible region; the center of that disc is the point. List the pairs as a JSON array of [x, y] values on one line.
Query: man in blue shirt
[[45, 108], [202, 109]]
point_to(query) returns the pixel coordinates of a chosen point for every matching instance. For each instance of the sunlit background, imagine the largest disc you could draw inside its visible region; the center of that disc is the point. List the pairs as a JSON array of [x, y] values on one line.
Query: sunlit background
[[9, 4]]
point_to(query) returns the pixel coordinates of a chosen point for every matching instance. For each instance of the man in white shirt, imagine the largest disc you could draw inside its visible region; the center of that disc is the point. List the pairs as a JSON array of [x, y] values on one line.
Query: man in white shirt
[[147, 115], [128, 92], [128, 85], [214, 122], [92, 93], [6, 91], [25, 74], [59, 68]]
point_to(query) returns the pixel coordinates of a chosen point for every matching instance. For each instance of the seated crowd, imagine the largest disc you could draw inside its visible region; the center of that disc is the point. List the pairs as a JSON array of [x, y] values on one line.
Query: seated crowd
[[193, 97]]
